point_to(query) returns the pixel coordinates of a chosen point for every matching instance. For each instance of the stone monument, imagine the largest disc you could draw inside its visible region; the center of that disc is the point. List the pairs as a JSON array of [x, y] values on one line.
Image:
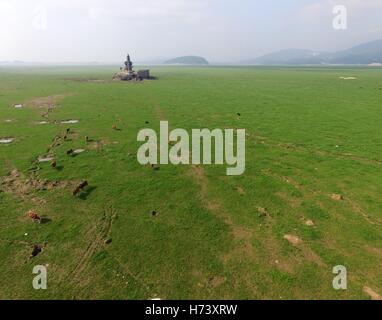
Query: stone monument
[[127, 72]]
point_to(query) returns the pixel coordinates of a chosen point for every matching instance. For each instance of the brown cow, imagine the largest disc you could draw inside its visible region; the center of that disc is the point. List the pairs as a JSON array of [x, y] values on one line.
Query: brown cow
[[81, 186], [34, 216]]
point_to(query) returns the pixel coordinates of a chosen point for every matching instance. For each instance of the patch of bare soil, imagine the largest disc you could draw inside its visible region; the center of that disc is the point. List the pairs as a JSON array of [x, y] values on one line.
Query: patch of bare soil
[[374, 251], [309, 223], [372, 294], [46, 102], [97, 145], [216, 281], [294, 240], [16, 184], [240, 190], [307, 252], [337, 197], [88, 80], [159, 113]]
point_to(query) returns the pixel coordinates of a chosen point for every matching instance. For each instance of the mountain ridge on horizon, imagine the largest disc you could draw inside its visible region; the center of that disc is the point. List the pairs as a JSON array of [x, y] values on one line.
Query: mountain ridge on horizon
[[366, 53], [363, 54]]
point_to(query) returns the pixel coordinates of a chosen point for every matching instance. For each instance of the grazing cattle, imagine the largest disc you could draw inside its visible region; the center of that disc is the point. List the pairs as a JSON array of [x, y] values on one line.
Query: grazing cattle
[[155, 167], [80, 188], [36, 250], [53, 164], [34, 216]]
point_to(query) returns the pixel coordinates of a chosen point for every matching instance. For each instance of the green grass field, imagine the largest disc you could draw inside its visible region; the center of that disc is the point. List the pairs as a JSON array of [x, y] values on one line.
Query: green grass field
[[310, 135]]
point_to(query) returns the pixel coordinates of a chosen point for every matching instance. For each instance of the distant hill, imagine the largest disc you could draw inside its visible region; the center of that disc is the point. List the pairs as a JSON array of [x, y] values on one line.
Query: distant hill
[[188, 60], [289, 56], [366, 53]]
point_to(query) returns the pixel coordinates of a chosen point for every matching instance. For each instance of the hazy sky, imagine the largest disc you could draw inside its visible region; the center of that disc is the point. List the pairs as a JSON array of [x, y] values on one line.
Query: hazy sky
[[220, 30]]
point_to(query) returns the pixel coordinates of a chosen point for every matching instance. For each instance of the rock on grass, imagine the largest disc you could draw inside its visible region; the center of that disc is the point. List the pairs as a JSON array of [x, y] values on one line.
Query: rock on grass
[[294, 240]]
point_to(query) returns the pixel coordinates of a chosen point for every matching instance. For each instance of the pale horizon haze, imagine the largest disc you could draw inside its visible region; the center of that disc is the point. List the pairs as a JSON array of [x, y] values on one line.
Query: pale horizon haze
[[219, 30]]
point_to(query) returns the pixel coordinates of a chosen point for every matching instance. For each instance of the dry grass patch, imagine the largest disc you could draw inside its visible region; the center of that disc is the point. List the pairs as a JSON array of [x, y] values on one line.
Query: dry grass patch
[[46, 102]]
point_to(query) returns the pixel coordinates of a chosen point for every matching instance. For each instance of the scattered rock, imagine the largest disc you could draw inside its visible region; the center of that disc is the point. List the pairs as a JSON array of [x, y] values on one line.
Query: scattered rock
[[78, 151], [42, 159], [18, 106], [348, 78], [337, 197], [263, 212], [373, 295], [108, 241], [6, 140], [70, 121], [309, 223], [294, 240]]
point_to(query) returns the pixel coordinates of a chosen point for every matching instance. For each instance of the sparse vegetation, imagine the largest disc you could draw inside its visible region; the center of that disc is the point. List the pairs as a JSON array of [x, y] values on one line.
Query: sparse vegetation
[[310, 198]]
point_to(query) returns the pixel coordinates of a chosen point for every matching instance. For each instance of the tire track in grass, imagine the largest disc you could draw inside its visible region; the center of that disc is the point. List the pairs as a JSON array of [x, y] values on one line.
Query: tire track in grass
[[215, 206], [98, 235], [310, 194], [242, 236], [300, 148]]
